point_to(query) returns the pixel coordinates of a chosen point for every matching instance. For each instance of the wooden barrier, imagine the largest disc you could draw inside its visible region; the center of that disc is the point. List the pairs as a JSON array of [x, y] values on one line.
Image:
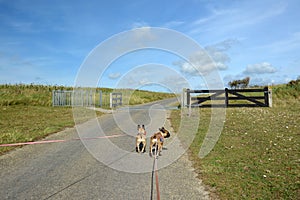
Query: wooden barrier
[[229, 97]]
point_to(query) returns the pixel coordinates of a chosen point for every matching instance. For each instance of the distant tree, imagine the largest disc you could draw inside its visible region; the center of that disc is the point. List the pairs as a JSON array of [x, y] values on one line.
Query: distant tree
[[243, 83], [294, 82], [232, 84]]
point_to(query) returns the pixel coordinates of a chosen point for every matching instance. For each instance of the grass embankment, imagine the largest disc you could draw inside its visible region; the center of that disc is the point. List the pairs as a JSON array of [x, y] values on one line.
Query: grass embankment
[[30, 123], [26, 112], [33, 95], [258, 153]]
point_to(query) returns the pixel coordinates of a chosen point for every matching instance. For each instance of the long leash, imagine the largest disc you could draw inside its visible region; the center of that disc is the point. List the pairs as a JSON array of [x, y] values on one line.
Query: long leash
[[57, 141], [155, 171], [156, 179]]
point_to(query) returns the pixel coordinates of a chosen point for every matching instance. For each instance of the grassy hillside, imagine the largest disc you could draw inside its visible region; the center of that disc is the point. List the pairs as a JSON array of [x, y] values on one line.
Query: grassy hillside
[[21, 94], [26, 112], [258, 153], [290, 90]]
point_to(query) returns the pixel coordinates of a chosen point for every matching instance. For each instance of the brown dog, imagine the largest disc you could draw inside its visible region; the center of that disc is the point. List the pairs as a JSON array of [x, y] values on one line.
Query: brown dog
[[157, 140], [165, 132], [141, 139]]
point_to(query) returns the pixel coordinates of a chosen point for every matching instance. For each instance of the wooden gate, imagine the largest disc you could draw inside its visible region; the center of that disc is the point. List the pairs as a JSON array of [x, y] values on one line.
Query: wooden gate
[[228, 98]]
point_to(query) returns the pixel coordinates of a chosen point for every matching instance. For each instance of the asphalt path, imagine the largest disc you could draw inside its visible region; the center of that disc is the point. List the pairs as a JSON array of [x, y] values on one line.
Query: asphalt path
[[101, 168]]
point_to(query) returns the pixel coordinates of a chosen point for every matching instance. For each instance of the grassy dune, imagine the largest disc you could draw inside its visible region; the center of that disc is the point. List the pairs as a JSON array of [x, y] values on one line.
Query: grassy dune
[[41, 95], [33, 95], [258, 153]]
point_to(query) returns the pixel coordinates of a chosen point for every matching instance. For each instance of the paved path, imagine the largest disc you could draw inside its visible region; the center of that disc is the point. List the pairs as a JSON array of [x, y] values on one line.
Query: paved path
[[80, 170]]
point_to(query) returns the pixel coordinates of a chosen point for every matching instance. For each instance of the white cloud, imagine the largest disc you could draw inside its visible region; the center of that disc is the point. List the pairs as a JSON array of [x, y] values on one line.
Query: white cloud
[[213, 57], [260, 68], [198, 64], [218, 53], [114, 75], [140, 36]]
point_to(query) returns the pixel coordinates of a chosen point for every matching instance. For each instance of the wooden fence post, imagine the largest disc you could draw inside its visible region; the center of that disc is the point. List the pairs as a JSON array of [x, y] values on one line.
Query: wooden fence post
[[188, 97], [226, 97], [110, 100], [270, 97], [266, 95], [183, 96], [190, 105]]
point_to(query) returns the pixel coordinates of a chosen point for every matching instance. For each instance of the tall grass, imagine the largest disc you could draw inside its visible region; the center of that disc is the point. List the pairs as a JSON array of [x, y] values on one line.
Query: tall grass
[[21, 94], [287, 91]]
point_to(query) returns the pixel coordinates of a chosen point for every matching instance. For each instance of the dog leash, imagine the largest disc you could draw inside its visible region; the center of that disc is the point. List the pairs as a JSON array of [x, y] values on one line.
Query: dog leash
[[155, 171], [156, 178], [57, 141]]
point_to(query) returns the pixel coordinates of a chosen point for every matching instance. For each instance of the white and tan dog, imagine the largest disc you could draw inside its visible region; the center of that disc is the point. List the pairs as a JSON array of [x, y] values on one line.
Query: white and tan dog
[[141, 139]]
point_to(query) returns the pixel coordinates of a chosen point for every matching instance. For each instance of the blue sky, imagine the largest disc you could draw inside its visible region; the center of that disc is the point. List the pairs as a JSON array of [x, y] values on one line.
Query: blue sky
[[46, 42]]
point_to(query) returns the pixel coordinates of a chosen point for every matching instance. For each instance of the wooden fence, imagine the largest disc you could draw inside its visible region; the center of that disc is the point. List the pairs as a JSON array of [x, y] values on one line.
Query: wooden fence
[[228, 98]]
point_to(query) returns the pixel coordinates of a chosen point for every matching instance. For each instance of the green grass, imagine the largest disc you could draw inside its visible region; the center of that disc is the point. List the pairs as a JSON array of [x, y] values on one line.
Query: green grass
[[30, 123], [21, 94], [257, 155], [287, 90]]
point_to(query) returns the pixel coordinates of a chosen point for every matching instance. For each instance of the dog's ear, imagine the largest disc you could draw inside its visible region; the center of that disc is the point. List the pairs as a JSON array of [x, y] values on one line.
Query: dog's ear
[[143, 126], [138, 127]]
